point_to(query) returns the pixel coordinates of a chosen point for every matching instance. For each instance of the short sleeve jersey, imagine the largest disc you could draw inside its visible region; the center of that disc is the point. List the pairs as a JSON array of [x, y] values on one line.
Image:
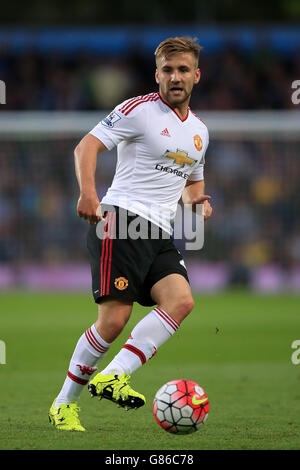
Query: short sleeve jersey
[[157, 153]]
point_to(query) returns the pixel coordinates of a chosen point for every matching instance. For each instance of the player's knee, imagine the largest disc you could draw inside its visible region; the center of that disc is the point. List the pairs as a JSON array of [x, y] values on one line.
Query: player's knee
[[116, 322], [187, 305], [111, 320], [183, 306]]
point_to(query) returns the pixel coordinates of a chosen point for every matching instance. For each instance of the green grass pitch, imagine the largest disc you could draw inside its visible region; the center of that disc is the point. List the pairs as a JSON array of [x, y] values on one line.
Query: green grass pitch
[[236, 345]]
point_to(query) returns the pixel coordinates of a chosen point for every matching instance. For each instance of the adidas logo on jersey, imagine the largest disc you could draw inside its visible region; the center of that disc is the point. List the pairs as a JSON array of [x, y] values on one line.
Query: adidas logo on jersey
[[165, 132]]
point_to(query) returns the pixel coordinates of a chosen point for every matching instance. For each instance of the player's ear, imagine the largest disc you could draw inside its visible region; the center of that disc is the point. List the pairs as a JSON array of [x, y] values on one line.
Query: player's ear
[[197, 76], [156, 76]]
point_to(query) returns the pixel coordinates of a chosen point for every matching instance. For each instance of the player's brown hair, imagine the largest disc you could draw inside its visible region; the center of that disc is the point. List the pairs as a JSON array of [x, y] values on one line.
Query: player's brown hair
[[176, 45]]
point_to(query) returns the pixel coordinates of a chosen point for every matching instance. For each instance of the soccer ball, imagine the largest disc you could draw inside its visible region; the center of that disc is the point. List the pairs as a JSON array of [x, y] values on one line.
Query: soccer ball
[[180, 406]]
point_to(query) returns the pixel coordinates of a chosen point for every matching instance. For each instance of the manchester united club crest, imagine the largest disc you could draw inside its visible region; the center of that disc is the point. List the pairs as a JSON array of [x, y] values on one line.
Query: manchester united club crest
[[198, 142], [121, 283]]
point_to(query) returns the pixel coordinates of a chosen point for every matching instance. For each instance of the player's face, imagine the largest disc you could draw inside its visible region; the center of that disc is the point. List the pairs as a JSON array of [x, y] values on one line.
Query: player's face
[[176, 76]]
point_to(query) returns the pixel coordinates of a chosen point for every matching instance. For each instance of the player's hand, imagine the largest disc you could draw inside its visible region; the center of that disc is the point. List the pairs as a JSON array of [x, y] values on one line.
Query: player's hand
[[207, 209], [88, 207]]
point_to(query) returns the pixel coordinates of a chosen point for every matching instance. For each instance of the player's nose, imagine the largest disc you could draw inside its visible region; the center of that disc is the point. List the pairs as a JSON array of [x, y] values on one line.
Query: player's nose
[[175, 78]]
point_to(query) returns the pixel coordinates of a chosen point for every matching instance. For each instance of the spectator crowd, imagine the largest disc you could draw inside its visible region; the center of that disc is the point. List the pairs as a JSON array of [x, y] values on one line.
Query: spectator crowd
[[232, 79], [253, 183]]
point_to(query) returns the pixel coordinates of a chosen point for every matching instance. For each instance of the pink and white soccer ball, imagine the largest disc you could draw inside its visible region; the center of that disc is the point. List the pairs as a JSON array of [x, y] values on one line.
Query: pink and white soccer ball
[[181, 406]]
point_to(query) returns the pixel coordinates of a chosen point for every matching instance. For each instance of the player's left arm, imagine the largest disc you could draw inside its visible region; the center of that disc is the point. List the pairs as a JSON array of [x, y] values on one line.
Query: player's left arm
[[193, 193]]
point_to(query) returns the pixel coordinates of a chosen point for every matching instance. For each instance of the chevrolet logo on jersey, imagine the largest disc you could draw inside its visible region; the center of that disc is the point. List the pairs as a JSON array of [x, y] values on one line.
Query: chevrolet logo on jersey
[[180, 158]]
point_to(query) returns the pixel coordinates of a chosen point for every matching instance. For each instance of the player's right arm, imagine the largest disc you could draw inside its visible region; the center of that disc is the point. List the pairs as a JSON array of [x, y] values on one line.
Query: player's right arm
[[106, 135], [85, 156]]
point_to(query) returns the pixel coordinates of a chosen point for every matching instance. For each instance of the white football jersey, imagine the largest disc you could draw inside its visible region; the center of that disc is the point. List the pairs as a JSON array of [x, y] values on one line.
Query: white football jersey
[[158, 152]]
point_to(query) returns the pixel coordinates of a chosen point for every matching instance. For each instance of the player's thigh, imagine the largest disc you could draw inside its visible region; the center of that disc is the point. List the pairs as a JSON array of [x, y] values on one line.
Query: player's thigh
[[173, 294], [113, 314]]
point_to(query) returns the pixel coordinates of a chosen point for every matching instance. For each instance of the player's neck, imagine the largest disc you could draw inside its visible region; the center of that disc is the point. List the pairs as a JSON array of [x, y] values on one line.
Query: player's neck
[[181, 109]]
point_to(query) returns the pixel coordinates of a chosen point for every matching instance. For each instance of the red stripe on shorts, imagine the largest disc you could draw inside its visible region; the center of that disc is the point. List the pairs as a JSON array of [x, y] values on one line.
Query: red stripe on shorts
[[110, 252], [106, 254], [102, 254]]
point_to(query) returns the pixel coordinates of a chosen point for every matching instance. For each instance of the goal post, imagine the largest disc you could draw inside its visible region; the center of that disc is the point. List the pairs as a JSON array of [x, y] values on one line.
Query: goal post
[[221, 124]]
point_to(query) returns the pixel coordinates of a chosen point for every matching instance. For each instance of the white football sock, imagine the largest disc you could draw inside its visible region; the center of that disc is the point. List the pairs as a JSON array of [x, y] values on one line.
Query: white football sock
[[147, 336], [89, 351]]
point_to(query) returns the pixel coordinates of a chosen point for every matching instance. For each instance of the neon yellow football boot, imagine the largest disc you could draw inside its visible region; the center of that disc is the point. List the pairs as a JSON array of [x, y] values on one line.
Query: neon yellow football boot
[[116, 388], [65, 417]]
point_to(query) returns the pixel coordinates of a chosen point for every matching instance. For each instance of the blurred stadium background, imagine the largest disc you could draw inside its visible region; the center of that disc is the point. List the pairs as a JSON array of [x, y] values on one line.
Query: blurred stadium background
[[61, 80], [65, 66]]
